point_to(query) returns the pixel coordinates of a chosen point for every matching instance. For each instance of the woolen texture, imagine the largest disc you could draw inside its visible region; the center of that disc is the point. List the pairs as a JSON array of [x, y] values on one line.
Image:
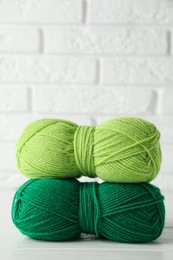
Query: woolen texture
[[60, 209], [119, 150]]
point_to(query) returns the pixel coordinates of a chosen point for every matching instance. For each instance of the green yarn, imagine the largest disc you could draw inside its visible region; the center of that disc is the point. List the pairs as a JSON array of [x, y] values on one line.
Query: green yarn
[[89, 210], [60, 209], [123, 149]]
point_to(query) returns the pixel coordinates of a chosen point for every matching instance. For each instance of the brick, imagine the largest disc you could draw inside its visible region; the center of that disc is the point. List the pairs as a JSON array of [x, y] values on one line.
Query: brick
[[12, 125], [131, 70], [166, 100], [111, 40], [11, 180], [93, 100], [40, 69], [164, 182], [170, 42], [168, 206], [15, 39], [7, 156], [130, 12], [167, 162], [13, 99], [41, 11]]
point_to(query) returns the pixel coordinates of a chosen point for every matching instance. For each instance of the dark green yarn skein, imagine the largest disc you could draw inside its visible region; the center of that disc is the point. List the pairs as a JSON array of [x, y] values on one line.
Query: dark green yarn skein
[[60, 209]]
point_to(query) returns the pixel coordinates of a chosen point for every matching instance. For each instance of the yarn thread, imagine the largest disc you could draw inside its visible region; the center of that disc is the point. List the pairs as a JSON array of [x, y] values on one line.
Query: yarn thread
[[83, 150], [60, 209], [123, 149], [89, 208]]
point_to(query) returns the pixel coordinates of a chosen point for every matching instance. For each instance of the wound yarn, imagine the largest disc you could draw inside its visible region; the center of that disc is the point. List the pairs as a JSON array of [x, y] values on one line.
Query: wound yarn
[[123, 149], [60, 209]]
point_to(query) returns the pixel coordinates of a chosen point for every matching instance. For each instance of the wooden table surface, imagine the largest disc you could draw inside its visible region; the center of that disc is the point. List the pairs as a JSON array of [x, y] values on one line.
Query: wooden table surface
[[14, 245]]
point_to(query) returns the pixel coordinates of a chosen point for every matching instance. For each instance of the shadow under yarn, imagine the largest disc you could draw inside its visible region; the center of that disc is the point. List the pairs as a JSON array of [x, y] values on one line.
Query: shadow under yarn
[[123, 149], [62, 209]]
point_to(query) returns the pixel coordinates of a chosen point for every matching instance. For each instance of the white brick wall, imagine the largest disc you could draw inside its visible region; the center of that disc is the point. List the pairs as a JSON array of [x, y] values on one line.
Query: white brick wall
[[93, 100], [87, 61], [13, 99], [19, 39], [41, 11], [130, 12], [137, 70], [47, 69], [105, 40]]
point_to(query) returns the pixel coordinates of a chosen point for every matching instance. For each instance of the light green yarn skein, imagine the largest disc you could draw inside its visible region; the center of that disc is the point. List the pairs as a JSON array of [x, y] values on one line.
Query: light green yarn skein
[[123, 149]]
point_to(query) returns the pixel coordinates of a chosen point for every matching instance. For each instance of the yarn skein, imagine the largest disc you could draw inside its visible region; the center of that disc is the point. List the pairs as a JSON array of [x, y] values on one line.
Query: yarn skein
[[123, 149], [60, 209]]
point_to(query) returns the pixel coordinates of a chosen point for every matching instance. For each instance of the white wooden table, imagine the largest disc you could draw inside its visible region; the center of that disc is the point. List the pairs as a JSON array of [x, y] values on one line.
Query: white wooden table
[[15, 246]]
